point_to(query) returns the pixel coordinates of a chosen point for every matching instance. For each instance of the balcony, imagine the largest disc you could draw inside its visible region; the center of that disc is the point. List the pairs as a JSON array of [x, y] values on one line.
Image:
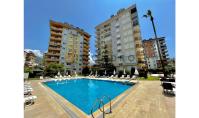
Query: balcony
[[85, 50], [57, 29], [119, 48], [138, 42], [52, 48], [118, 36], [55, 33], [85, 54], [54, 44], [164, 50], [52, 54], [86, 46], [55, 39], [136, 31], [52, 59], [119, 54], [118, 42], [138, 46], [86, 38]]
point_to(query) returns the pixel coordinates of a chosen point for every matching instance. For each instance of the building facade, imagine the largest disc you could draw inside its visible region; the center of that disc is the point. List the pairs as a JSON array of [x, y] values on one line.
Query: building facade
[[119, 39], [30, 59], [151, 52], [68, 45]]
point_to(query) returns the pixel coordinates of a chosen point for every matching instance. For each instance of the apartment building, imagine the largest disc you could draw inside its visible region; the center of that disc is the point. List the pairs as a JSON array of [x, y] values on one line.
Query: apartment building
[[29, 59], [151, 52], [68, 45], [119, 39]]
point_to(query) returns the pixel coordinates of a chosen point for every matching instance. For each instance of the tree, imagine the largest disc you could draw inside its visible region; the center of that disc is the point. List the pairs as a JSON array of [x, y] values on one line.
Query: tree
[[52, 69], [85, 71], [28, 70]]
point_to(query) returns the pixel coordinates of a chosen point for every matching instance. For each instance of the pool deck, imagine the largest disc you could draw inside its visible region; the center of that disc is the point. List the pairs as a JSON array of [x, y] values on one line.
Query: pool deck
[[146, 100]]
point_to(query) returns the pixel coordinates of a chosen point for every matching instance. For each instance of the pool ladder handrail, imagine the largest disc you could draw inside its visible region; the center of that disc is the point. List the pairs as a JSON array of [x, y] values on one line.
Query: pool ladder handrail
[[100, 101]]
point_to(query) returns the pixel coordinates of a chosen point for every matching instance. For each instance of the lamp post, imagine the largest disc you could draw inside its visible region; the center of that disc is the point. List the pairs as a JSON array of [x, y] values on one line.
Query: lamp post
[[149, 14]]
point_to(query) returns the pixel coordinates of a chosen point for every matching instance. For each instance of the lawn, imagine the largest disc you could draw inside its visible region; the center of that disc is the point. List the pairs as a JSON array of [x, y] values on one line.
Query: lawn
[[149, 78]]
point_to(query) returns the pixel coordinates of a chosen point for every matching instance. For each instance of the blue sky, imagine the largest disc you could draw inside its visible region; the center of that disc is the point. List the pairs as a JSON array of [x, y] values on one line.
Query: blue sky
[[87, 14]]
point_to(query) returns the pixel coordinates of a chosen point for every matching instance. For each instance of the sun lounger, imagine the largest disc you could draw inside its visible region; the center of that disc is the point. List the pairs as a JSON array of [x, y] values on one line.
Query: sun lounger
[[115, 77], [133, 77], [127, 77], [41, 77], [29, 100], [27, 85], [122, 77], [111, 76], [28, 92], [28, 89], [167, 87]]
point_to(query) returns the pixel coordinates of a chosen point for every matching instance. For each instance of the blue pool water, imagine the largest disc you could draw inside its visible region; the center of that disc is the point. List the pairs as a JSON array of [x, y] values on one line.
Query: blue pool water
[[83, 92]]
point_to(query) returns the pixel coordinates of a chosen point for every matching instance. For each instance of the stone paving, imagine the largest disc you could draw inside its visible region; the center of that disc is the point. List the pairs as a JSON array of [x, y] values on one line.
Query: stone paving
[[145, 101], [45, 106]]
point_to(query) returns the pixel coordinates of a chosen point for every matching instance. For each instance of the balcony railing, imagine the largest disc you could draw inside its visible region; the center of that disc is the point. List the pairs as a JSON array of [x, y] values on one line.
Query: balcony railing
[[52, 48], [118, 42], [87, 38], [55, 39], [54, 28], [119, 48], [54, 44], [55, 34], [85, 54], [52, 59], [86, 46], [53, 54]]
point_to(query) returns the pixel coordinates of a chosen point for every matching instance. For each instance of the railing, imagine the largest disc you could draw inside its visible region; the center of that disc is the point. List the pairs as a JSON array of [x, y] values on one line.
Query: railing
[[100, 102]]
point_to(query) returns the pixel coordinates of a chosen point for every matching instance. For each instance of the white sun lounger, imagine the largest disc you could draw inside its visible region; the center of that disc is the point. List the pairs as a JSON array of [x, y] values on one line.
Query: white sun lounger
[[122, 77], [111, 76], [127, 77], [116, 76], [27, 92], [29, 100]]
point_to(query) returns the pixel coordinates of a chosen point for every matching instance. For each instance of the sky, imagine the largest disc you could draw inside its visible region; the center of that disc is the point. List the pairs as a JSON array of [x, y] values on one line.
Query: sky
[[87, 14]]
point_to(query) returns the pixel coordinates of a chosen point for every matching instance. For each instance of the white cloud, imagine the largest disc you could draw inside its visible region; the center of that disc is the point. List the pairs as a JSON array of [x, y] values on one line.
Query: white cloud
[[91, 59], [36, 52]]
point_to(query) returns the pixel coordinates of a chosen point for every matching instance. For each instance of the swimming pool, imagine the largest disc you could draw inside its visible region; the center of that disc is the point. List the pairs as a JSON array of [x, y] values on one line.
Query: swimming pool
[[83, 92]]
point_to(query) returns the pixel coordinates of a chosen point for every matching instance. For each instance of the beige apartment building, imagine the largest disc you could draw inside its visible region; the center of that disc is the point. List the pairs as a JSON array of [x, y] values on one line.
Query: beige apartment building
[[68, 45], [119, 38]]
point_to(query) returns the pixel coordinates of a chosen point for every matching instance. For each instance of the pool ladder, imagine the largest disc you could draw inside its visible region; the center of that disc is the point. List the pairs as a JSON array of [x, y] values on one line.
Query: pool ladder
[[100, 102]]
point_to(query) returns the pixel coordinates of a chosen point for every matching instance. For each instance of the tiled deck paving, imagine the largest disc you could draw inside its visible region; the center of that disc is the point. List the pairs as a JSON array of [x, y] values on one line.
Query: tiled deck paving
[[145, 101]]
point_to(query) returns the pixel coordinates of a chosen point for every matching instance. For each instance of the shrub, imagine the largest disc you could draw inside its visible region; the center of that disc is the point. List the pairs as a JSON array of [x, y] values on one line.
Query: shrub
[[142, 73], [85, 71], [52, 69]]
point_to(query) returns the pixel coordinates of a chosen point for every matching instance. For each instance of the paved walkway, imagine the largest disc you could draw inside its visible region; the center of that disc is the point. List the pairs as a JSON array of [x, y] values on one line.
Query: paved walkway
[[45, 106], [145, 101]]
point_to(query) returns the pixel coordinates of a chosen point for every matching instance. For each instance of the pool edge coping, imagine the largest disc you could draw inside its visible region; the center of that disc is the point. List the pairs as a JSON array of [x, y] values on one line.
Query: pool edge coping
[[72, 109]]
